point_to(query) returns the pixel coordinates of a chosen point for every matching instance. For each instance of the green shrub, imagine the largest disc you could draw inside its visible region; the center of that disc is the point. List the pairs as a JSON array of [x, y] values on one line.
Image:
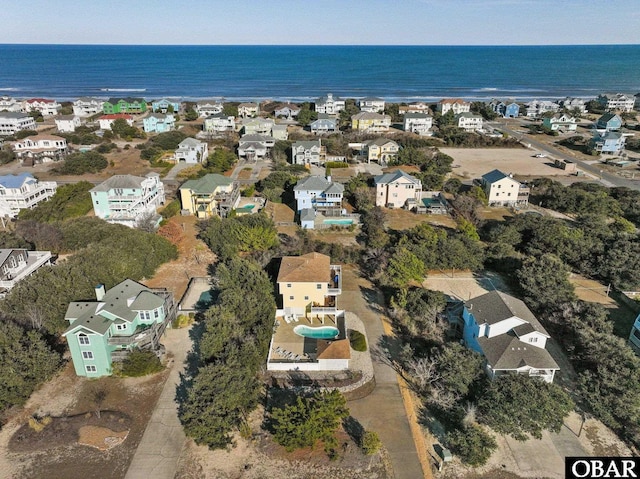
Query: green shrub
[[472, 444], [182, 321], [336, 164], [357, 340], [140, 363], [82, 162], [171, 209], [370, 443]]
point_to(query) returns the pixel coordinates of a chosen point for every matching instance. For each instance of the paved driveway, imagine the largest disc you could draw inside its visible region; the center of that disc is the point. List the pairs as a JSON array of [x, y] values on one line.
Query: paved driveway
[[381, 411], [163, 440]]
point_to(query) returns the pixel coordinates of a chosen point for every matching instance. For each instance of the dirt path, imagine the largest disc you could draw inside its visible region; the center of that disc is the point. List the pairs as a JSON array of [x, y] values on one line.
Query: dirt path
[[384, 410]]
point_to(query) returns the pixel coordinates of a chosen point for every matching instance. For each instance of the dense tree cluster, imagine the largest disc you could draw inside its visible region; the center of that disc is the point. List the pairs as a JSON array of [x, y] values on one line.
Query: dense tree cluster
[[82, 162], [224, 387], [103, 253], [228, 236], [69, 201], [434, 166]]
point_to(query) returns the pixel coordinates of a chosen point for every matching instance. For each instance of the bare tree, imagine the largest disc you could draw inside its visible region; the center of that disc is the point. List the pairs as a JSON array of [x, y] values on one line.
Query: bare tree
[[98, 395], [147, 222]]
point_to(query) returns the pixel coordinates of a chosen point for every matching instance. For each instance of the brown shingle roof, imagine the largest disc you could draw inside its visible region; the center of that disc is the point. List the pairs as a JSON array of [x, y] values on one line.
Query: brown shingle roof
[[308, 268], [339, 349]]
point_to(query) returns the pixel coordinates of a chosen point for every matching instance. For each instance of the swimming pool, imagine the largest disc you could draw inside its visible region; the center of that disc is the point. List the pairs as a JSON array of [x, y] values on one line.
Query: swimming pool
[[347, 221], [321, 332]]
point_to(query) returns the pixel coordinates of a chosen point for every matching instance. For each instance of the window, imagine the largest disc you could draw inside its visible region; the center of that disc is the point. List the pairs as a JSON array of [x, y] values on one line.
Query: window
[[83, 339], [533, 340], [87, 355], [121, 327], [306, 298], [288, 285], [291, 298], [319, 286], [90, 368], [156, 313]]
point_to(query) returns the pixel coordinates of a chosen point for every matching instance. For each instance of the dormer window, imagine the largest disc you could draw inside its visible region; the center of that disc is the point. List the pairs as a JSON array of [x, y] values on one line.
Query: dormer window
[[83, 339]]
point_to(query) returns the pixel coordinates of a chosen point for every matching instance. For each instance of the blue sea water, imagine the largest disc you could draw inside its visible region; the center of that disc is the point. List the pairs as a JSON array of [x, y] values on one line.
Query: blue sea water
[[396, 73]]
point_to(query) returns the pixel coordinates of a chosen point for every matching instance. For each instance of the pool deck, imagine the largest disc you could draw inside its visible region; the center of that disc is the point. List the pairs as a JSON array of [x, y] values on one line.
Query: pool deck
[[286, 340]]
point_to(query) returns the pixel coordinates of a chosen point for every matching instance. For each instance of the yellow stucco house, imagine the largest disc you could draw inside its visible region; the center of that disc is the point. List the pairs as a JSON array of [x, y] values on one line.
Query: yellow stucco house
[[210, 195], [371, 122], [309, 284]]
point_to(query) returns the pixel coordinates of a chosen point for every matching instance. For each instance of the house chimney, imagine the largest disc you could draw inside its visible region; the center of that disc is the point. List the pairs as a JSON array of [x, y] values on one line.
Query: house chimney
[[100, 292]]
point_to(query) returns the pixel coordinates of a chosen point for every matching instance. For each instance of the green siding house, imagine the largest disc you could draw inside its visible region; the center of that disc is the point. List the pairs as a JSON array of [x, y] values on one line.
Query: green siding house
[[128, 316], [124, 105]]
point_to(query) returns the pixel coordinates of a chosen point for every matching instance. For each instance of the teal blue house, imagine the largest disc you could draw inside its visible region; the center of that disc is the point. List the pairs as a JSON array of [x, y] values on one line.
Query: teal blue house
[[609, 122], [126, 317], [166, 105], [159, 123]]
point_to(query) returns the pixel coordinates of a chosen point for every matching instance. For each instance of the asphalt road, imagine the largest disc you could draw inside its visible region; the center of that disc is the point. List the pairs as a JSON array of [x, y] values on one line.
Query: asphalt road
[[606, 178]]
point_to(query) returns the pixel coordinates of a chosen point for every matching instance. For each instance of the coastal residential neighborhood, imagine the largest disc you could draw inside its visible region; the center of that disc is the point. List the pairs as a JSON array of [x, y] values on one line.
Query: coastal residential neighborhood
[[339, 287]]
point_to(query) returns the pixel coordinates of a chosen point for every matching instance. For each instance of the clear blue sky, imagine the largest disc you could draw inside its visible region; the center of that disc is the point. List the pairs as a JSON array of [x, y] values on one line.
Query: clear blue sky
[[324, 22]]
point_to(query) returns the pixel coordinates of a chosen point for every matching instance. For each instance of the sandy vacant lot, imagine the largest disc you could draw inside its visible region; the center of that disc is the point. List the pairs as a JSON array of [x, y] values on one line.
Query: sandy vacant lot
[[475, 162]]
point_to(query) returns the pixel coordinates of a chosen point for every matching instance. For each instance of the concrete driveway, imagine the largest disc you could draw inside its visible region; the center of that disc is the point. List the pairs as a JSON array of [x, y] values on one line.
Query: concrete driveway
[[163, 440], [383, 410]]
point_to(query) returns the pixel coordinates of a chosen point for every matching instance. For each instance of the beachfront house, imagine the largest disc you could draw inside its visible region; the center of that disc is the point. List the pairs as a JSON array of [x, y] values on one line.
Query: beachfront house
[[255, 147], [124, 105], [574, 104], [310, 333], [22, 191], [324, 125], [40, 149], [617, 102], [166, 105], [418, 107], [17, 264], [128, 199], [505, 110], [45, 106], [560, 122], [453, 104], [209, 196], [609, 122], [502, 190], [608, 143], [319, 194], [418, 123], [371, 104], [12, 122], [248, 110], [87, 106], [127, 317], [536, 108], [8, 103], [219, 123], [468, 121], [192, 151], [371, 122], [67, 123], [395, 189], [159, 123], [329, 104], [105, 121], [287, 110], [206, 108], [308, 152]]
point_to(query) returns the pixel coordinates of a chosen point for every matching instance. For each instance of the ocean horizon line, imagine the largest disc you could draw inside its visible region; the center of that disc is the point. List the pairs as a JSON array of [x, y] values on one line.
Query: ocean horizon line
[[348, 45]]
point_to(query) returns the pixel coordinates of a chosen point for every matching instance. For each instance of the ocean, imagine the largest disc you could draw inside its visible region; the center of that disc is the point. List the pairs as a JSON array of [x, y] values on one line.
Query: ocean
[[299, 73]]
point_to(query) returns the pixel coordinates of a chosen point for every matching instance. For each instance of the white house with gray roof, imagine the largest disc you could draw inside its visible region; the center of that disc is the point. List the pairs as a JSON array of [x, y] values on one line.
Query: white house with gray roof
[[308, 152], [12, 122], [393, 190], [209, 107], [324, 125], [16, 264], [371, 104], [418, 123], [502, 190], [87, 106], [255, 147], [317, 195], [192, 151], [329, 104], [508, 335], [127, 199], [219, 123]]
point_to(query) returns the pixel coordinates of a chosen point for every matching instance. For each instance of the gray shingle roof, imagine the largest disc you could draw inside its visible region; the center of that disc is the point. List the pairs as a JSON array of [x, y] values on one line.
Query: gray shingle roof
[[496, 306], [493, 176], [394, 176], [119, 181], [318, 183], [506, 351]]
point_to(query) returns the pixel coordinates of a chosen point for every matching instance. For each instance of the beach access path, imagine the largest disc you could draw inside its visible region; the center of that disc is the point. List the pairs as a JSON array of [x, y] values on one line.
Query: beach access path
[[382, 411]]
